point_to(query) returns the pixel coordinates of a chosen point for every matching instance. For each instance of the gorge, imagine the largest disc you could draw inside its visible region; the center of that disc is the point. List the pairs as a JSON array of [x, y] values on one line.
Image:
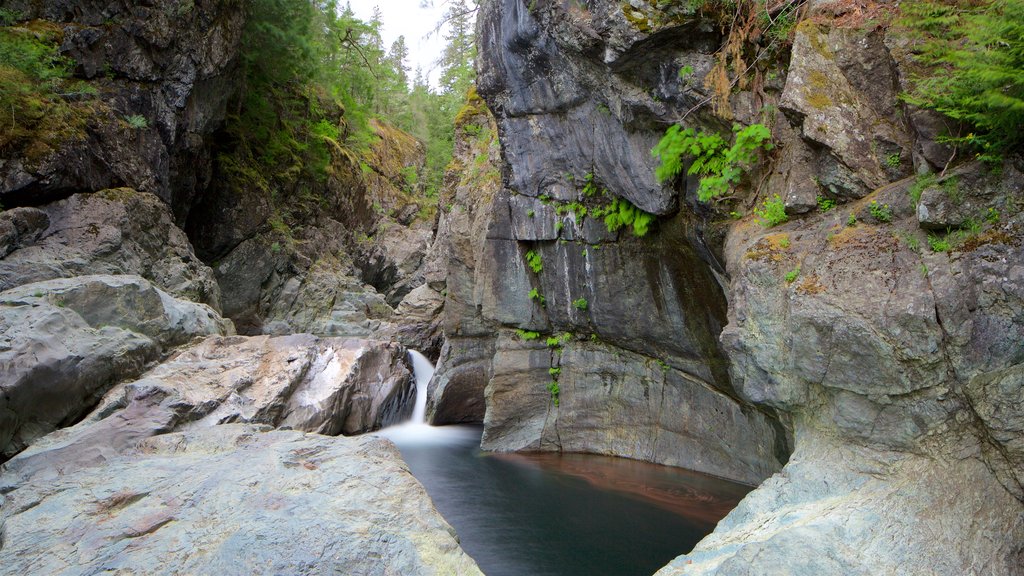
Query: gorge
[[204, 324]]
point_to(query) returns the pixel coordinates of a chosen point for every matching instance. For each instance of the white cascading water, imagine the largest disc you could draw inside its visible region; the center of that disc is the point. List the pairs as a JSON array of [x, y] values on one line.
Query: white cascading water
[[416, 431], [423, 370]]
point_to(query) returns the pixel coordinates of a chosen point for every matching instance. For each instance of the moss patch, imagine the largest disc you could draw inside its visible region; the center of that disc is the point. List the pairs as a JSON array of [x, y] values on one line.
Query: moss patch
[[41, 107]]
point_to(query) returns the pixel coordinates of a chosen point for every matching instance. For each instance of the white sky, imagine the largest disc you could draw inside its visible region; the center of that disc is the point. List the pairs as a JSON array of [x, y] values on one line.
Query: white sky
[[406, 18]]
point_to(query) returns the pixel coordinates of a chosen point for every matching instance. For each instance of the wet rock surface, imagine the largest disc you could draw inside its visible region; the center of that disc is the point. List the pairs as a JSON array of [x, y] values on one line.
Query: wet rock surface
[[234, 499]]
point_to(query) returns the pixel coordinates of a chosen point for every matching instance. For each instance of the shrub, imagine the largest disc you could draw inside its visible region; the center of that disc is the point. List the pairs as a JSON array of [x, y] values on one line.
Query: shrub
[[622, 213], [536, 295], [792, 275], [825, 204], [974, 53], [720, 165], [772, 212], [554, 390], [580, 304], [938, 244]]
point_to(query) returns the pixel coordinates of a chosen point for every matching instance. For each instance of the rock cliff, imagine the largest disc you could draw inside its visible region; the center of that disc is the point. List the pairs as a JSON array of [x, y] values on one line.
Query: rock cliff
[[877, 335], [607, 342]]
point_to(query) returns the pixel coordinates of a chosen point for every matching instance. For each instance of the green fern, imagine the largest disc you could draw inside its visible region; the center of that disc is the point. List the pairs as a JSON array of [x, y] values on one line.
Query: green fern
[[974, 56], [720, 165]]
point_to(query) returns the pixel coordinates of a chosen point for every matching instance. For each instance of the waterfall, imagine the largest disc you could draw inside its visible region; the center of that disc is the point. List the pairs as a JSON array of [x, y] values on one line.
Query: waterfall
[[415, 431], [423, 370]]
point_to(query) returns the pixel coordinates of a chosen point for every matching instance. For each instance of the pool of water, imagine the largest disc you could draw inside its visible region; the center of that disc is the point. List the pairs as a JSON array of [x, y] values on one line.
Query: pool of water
[[562, 515]]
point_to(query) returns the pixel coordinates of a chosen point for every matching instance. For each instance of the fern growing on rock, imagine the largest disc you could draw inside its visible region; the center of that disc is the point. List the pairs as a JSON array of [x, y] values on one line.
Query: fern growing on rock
[[719, 164], [975, 59]]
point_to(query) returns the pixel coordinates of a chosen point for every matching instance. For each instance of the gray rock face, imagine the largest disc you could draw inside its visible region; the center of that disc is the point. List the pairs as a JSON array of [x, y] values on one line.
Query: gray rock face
[[564, 85], [908, 447], [110, 232], [234, 499], [328, 386], [841, 91], [615, 402], [64, 342], [171, 64]]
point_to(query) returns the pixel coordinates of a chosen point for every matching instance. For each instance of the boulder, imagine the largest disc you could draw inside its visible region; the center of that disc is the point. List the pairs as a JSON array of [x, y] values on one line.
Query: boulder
[[65, 342], [841, 91], [324, 385], [235, 499], [119, 231]]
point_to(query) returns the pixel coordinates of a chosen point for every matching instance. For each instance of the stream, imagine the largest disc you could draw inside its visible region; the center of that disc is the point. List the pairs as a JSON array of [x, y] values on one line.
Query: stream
[[550, 514]]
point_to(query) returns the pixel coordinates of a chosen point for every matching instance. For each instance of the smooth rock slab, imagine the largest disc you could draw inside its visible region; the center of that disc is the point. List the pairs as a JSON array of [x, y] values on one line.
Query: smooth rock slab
[[328, 386], [841, 509], [231, 500], [64, 342]]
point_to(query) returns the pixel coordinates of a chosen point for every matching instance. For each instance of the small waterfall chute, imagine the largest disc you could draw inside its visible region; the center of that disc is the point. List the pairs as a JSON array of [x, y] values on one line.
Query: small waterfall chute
[[415, 430]]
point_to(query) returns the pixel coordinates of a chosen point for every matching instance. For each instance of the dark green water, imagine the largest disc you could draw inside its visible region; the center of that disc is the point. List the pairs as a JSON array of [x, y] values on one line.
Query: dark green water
[[562, 515]]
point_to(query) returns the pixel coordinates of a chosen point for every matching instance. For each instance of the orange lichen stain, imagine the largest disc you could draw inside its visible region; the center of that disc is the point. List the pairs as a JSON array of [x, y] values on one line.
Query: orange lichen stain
[[770, 248], [810, 285]]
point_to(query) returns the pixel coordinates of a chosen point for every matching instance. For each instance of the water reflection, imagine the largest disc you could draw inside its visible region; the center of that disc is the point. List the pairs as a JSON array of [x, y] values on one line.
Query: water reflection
[[562, 515]]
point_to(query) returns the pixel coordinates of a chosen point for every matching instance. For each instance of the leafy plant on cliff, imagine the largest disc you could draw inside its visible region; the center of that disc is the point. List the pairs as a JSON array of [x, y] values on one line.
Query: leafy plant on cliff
[[720, 165], [621, 213], [533, 260], [974, 58], [772, 212]]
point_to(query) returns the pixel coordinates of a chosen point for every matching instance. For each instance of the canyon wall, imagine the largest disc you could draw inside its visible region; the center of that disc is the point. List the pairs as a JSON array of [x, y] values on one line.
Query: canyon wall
[[583, 338], [887, 361]]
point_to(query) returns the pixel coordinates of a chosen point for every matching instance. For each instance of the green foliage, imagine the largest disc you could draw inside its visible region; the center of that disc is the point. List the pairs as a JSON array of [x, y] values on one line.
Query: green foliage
[[554, 390], [533, 260], [772, 212], [554, 371], [553, 342], [880, 212], [852, 220], [34, 78], [921, 183], [580, 304], [621, 213], [939, 244], [719, 165], [893, 160], [792, 275], [992, 216], [912, 242], [685, 71], [9, 17], [137, 122], [974, 56], [527, 335], [538, 297], [784, 242], [825, 204]]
